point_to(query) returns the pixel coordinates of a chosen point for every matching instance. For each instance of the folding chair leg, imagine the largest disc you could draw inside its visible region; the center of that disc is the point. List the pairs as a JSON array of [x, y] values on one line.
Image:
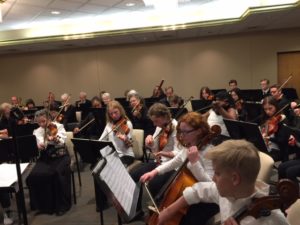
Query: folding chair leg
[[73, 187]]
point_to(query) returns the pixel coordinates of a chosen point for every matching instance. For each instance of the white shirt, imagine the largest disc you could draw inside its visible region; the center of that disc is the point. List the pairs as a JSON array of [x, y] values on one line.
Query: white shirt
[[215, 119], [121, 148], [171, 143], [61, 134], [208, 192], [202, 170]]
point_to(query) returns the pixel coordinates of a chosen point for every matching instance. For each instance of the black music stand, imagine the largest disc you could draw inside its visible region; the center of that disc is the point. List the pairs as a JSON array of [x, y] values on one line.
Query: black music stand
[[150, 101], [177, 112], [89, 151], [100, 117], [118, 191], [215, 91], [201, 105], [26, 129], [248, 131], [293, 131], [290, 93], [123, 102]]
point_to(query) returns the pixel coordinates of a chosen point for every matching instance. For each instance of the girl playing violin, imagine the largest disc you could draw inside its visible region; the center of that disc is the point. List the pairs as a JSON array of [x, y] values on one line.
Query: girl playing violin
[[49, 182], [118, 130], [194, 137], [273, 132], [206, 94]]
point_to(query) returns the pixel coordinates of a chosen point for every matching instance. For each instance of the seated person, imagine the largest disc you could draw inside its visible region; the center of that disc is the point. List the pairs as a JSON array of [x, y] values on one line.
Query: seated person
[[236, 164], [5, 203], [49, 182]]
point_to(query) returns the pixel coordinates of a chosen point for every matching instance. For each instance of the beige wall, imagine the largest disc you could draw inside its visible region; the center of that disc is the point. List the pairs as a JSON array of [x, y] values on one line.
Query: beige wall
[[187, 65]]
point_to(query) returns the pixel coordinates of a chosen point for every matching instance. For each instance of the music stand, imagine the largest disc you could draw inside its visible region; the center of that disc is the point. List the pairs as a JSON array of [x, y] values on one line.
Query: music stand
[[150, 101], [121, 192], [123, 102], [215, 91], [293, 131], [26, 129], [290, 93], [252, 94], [201, 105], [248, 131], [177, 112], [100, 117], [88, 149], [6, 153]]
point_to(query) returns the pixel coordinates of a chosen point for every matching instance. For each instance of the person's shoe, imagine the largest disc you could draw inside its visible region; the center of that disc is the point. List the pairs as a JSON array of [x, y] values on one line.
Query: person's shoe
[[7, 220]]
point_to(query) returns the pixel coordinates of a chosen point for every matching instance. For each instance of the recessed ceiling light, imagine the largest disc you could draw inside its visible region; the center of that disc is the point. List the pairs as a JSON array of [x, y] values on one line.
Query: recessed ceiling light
[[55, 12], [130, 4]]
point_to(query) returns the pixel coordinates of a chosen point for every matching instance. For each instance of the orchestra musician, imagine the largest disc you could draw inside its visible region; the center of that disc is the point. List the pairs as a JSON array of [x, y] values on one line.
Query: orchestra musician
[[67, 112], [83, 104], [206, 94], [105, 98], [239, 104], [193, 135], [118, 130], [282, 101], [158, 93], [4, 133], [89, 128], [163, 145], [291, 168], [232, 85], [222, 107], [236, 166], [139, 114], [265, 89], [273, 132], [49, 182], [169, 92]]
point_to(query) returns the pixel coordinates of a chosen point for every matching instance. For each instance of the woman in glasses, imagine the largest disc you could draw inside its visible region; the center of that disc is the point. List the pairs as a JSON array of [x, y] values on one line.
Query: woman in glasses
[[194, 137]]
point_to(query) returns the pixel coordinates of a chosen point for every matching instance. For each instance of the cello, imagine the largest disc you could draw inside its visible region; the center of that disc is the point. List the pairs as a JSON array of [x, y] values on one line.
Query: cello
[[173, 189]]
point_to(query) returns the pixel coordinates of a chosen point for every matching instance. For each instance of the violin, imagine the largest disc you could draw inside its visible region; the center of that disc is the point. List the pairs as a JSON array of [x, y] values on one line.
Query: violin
[[239, 104], [52, 129], [121, 128], [210, 98], [136, 111], [288, 193], [183, 178]]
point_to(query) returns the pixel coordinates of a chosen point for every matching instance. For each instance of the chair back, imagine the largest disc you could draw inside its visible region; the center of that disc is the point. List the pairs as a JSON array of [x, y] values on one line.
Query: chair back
[[70, 148], [266, 166], [138, 143]]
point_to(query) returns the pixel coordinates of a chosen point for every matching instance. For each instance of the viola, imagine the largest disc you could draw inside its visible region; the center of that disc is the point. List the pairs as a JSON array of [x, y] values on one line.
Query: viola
[[136, 111], [271, 125], [210, 98], [288, 193], [121, 128], [52, 129]]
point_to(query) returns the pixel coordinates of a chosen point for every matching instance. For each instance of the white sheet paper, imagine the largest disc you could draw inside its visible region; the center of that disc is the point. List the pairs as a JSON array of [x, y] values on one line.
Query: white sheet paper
[[118, 179], [8, 173]]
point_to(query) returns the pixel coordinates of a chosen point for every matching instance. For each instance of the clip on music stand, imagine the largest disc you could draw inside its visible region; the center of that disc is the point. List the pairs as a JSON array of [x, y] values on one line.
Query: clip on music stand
[[248, 131]]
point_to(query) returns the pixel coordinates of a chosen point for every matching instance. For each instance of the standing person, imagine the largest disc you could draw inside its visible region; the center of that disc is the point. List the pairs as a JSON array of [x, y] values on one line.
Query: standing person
[[194, 137], [273, 132], [236, 164], [162, 144], [265, 88], [139, 115], [118, 130], [49, 182]]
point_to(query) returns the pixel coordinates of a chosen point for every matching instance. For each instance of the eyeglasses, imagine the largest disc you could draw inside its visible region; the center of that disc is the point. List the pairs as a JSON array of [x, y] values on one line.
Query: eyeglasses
[[185, 132]]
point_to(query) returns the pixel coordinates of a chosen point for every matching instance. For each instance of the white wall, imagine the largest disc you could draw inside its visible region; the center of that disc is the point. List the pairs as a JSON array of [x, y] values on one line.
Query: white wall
[[186, 65]]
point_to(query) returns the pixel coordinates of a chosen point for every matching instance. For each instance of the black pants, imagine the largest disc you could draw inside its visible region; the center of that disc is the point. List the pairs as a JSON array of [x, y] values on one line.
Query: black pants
[[4, 199], [290, 170], [49, 185], [199, 213]]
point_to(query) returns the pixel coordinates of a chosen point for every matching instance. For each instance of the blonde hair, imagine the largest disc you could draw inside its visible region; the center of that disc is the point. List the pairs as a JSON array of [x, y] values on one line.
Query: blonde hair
[[115, 105], [239, 155]]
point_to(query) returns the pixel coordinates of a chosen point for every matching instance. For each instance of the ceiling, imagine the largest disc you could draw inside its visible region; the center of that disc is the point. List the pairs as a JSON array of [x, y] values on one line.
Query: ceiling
[[40, 11]]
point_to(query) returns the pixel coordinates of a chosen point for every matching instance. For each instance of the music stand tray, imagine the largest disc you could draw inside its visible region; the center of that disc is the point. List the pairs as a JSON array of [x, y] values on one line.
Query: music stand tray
[[89, 150], [248, 131]]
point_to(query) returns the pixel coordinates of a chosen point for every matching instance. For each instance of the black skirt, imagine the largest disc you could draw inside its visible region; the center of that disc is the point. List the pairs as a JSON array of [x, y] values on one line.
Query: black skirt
[[49, 185]]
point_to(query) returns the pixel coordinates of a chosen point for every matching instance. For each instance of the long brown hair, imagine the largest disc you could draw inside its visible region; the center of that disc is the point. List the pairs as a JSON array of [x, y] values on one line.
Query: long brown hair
[[115, 105]]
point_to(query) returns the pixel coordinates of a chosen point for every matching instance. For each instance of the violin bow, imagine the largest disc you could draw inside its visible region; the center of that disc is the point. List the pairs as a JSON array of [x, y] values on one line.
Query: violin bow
[[62, 107], [285, 82], [151, 198]]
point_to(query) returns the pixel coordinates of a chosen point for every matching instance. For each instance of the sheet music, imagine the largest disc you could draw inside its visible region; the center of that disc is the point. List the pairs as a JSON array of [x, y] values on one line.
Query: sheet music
[[106, 150], [119, 181], [8, 173]]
